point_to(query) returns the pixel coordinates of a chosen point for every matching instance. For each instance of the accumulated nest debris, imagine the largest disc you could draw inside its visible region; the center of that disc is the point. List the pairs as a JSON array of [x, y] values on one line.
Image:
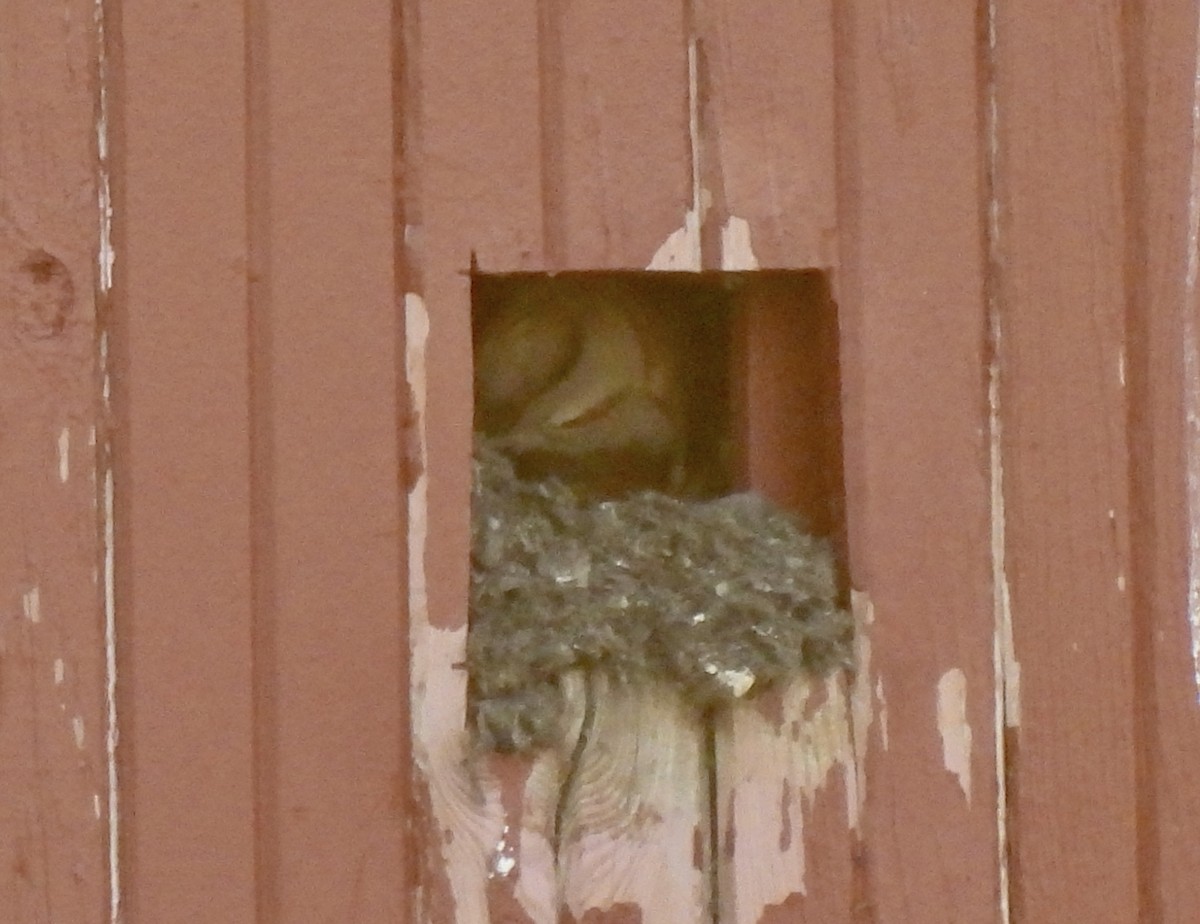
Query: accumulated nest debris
[[716, 597]]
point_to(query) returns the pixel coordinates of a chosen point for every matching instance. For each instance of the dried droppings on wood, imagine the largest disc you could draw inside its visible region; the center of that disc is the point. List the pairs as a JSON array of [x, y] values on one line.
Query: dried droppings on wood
[[717, 598]]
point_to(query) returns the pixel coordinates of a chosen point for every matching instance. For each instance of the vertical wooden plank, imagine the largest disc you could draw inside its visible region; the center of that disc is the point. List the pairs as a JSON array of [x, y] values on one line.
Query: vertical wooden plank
[[53, 767], [182, 463], [767, 156], [330, 648], [767, 163], [619, 171], [472, 177], [1163, 387], [1062, 148], [911, 293], [621, 193]]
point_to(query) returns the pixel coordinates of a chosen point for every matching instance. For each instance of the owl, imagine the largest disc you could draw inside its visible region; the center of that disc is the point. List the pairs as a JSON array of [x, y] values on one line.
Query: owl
[[581, 378]]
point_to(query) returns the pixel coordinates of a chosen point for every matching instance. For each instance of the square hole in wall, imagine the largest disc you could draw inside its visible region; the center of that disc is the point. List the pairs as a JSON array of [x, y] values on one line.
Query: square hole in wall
[[658, 487]]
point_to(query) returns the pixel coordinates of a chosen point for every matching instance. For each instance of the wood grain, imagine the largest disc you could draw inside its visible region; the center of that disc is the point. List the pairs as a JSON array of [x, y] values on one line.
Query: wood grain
[[1061, 297], [911, 295], [53, 766]]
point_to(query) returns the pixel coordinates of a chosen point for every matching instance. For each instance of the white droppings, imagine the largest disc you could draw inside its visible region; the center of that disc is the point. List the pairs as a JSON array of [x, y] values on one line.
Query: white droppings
[[96, 805], [737, 680], [954, 728], [60, 671], [737, 253], [77, 730], [31, 604], [504, 860], [64, 455], [1121, 367], [1121, 583]]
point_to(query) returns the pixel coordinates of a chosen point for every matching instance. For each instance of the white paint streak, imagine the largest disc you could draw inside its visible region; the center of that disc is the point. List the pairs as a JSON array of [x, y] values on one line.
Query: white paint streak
[[954, 728], [105, 263], [60, 671], [77, 730], [681, 250], [1121, 366], [1006, 670], [96, 810], [881, 701], [64, 455], [862, 708], [737, 253], [1191, 381], [31, 604], [416, 332]]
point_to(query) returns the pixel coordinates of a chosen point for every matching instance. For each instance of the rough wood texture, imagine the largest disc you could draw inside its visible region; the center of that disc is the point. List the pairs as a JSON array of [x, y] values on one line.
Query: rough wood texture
[[1062, 238], [182, 466], [910, 288], [53, 767]]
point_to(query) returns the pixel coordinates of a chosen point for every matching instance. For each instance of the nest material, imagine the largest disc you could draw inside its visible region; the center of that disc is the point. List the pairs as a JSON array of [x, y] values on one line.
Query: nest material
[[717, 598]]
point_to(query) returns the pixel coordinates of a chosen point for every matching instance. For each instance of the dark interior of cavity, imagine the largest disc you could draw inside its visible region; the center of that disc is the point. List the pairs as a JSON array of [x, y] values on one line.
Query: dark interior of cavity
[[607, 531]]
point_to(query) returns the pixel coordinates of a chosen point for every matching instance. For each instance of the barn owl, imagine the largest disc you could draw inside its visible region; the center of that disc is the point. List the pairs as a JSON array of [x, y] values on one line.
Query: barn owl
[[581, 378]]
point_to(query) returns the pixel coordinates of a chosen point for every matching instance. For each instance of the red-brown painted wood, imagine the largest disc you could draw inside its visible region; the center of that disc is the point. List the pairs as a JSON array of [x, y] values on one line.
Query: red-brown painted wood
[[616, 123], [182, 465], [910, 290], [330, 640], [1163, 385], [53, 767], [1062, 149]]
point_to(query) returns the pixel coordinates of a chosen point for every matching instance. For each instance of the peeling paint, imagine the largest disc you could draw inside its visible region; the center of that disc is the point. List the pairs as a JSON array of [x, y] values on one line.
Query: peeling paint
[[64, 455], [862, 708], [881, 705], [31, 604], [416, 327], [737, 253], [954, 728], [681, 250], [1006, 670], [1191, 386]]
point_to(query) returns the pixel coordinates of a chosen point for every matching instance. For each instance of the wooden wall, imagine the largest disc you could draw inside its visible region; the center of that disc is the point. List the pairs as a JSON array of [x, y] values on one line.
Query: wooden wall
[[235, 430]]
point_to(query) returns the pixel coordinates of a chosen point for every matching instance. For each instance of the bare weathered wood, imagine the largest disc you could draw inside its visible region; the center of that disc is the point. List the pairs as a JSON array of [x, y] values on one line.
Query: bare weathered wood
[[182, 465], [330, 648], [54, 787], [1061, 253], [911, 294]]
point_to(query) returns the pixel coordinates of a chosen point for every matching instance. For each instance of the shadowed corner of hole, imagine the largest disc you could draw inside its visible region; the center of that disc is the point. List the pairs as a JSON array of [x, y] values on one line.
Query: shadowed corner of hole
[[718, 598]]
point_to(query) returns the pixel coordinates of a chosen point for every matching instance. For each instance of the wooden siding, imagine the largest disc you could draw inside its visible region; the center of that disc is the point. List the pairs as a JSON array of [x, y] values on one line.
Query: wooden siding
[[1003, 204]]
